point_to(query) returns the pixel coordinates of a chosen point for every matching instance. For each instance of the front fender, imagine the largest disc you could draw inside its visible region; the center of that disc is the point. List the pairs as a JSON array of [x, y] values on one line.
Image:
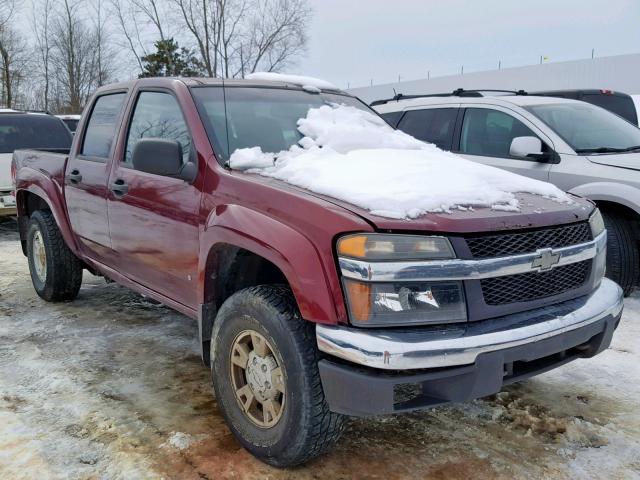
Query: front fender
[[610, 192], [286, 248]]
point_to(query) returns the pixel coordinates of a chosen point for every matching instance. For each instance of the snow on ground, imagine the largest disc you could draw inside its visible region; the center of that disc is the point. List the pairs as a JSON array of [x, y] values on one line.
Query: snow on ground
[[352, 155], [110, 386]]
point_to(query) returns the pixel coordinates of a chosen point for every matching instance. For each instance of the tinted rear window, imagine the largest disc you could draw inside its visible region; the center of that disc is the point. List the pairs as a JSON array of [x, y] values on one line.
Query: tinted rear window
[[32, 131], [432, 125], [618, 104], [102, 125]]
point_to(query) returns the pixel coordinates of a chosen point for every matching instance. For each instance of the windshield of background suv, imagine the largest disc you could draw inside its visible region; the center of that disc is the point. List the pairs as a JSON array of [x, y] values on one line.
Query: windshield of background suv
[[258, 116], [588, 129], [32, 131]]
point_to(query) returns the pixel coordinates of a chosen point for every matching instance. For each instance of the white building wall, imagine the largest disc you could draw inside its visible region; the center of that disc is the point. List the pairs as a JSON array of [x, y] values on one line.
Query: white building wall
[[621, 73]]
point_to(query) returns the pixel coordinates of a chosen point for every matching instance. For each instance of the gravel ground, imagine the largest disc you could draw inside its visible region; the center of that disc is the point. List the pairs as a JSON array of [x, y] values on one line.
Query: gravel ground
[[110, 386]]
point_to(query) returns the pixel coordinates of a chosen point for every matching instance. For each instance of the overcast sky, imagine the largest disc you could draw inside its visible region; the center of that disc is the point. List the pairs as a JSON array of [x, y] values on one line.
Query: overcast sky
[[354, 42]]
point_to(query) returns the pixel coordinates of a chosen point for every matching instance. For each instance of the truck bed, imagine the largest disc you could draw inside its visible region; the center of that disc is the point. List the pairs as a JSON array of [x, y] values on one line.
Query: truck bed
[[50, 162]]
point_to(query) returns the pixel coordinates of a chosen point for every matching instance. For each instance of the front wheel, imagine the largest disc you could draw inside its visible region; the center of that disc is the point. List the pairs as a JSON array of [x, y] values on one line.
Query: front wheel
[[56, 273], [264, 364], [623, 260]]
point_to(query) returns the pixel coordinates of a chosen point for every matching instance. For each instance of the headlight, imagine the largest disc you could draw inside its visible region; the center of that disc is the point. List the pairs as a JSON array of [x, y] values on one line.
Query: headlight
[[596, 222], [400, 303], [391, 247], [397, 303]]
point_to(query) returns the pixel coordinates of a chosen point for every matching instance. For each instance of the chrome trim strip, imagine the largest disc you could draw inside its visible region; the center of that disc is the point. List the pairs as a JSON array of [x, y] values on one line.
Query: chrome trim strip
[[460, 344], [458, 269]]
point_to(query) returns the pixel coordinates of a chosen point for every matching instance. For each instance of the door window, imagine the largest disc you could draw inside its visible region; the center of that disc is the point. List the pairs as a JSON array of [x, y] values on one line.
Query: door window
[[101, 128], [158, 115], [490, 132], [433, 125]]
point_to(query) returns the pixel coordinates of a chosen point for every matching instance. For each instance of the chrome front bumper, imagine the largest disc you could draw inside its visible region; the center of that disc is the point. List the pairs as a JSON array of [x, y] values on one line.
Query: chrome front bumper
[[461, 344]]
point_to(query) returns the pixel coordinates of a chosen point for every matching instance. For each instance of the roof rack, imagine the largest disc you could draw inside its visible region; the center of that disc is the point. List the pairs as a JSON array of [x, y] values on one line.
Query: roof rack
[[458, 92]]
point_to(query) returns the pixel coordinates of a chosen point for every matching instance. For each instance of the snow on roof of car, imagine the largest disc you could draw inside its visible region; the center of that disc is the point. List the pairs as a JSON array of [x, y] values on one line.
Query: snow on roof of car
[[353, 155], [301, 80]]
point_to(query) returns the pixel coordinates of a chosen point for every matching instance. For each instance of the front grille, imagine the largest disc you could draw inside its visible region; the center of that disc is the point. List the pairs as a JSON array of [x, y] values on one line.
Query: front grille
[[525, 287], [527, 242]]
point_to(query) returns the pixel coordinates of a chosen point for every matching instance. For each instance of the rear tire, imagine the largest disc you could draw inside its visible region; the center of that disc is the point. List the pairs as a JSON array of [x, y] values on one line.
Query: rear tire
[[302, 426], [56, 273], [623, 260]]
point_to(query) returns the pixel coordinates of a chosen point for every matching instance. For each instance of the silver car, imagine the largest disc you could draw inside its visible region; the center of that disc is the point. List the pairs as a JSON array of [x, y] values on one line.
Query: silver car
[[579, 147]]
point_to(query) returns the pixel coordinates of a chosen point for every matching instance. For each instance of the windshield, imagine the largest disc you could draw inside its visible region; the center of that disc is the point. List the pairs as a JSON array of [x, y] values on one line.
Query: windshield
[[588, 129], [259, 117], [32, 131]]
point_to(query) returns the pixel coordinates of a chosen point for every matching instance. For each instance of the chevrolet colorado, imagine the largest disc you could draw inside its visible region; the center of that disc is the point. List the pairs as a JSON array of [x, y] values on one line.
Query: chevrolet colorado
[[309, 309]]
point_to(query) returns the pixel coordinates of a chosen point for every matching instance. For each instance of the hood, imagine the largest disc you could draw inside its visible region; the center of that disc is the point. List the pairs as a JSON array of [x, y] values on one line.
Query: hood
[[535, 211], [630, 160]]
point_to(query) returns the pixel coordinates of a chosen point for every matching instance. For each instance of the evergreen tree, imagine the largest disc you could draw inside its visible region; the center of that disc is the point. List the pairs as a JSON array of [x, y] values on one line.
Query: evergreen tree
[[170, 60]]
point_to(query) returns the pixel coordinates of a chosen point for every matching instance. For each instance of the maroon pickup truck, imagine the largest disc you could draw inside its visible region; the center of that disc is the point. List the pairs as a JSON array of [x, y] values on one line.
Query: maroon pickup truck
[[309, 309]]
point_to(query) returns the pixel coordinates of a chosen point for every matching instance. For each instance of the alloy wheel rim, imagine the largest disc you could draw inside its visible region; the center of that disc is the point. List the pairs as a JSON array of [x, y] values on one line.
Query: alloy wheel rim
[[39, 256], [257, 378]]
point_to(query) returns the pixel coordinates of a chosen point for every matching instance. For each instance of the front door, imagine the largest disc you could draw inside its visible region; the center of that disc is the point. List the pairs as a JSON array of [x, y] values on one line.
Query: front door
[[154, 219], [87, 174], [486, 136]]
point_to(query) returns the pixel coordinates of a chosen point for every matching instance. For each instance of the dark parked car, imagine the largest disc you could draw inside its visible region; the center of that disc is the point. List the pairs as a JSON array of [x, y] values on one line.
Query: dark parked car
[[617, 102]]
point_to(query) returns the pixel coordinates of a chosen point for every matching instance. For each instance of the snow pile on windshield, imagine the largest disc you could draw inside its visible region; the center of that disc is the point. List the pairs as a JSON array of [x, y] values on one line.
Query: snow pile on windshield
[[354, 156], [294, 79]]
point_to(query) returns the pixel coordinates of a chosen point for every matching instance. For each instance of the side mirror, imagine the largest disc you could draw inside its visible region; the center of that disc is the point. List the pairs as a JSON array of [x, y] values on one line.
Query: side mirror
[[161, 157], [526, 147]]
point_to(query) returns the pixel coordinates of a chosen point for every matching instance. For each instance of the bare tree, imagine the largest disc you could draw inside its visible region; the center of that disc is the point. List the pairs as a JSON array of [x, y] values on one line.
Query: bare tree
[[104, 67], [235, 37], [277, 34], [41, 26], [13, 57], [201, 19], [74, 56], [141, 23]]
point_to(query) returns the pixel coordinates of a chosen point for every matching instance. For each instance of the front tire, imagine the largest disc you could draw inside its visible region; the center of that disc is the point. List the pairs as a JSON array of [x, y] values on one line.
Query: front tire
[[264, 364], [623, 260], [56, 273]]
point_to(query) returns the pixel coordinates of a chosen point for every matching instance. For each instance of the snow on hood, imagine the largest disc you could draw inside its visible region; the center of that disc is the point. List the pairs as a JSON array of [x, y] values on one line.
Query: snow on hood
[[354, 156], [294, 79]]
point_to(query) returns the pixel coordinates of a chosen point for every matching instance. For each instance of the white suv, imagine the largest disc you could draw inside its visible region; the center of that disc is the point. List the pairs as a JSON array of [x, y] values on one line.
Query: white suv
[[25, 130], [577, 146]]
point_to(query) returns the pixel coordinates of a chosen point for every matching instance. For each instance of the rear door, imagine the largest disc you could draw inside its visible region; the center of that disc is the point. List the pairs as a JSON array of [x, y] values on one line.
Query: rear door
[[154, 219], [432, 125], [88, 172], [485, 136]]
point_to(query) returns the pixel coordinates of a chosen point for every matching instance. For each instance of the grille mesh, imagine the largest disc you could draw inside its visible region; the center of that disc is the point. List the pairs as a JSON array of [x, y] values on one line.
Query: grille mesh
[[527, 242], [525, 287]]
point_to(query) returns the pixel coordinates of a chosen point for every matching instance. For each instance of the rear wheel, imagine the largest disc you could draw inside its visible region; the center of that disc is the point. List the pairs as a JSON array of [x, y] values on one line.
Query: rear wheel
[[623, 260], [56, 273], [264, 363]]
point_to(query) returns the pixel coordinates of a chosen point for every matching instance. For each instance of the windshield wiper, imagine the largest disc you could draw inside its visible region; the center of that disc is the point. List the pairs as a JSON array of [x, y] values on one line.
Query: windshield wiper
[[607, 149]]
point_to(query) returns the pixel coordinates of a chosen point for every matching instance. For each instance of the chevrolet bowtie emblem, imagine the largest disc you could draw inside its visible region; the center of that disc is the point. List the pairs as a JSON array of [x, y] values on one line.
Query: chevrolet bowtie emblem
[[545, 260]]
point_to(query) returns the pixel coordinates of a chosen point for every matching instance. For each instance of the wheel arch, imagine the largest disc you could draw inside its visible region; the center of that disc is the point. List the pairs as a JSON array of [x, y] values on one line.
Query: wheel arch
[[242, 248], [36, 198]]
